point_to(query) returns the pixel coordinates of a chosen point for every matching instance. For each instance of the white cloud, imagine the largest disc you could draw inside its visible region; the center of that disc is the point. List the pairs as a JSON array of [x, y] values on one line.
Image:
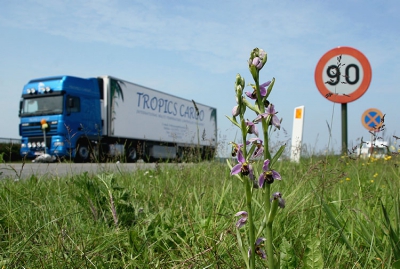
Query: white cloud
[[217, 36]]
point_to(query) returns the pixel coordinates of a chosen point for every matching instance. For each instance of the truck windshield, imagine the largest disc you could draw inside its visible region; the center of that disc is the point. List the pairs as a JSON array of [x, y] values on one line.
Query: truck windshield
[[39, 106]]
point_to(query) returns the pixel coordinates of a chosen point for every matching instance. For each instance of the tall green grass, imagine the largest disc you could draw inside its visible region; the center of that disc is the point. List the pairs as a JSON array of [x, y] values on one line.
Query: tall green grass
[[340, 213]]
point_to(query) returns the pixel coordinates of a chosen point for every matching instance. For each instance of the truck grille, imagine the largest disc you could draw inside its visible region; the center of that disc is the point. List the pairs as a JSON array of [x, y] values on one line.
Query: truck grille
[[35, 129]]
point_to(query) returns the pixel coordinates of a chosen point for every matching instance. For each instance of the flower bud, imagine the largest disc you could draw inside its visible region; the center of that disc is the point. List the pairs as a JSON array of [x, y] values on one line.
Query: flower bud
[[235, 111], [258, 58], [257, 62], [239, 90], [239, 82]]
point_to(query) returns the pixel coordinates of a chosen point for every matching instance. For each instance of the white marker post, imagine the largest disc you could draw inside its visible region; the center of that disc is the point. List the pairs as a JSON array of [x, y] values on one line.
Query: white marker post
[[297, 134]]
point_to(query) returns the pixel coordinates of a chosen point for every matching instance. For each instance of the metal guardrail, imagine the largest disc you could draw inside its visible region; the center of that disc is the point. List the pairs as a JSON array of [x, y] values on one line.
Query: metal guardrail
[[10, 140]]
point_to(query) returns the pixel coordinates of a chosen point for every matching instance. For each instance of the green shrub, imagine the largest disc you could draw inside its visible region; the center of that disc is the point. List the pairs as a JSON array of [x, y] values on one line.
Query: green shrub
[[10, 152]]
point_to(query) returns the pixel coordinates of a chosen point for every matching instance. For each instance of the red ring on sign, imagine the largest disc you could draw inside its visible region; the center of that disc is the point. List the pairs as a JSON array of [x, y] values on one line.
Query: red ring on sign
[[319, 70]]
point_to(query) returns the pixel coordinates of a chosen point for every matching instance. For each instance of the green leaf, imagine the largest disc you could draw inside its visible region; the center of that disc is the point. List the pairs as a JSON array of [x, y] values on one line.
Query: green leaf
[[312, 255], [269, 89], [242, 248], [394, 237], [396, 265], [337, 225], [254, 72], [287, 255], [251, 106], [251, 150], [233, 120], [277, 155]]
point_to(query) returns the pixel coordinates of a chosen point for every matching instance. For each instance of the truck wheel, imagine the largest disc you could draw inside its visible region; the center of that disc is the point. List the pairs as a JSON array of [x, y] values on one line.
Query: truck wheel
[[82, 153], [131, 155]]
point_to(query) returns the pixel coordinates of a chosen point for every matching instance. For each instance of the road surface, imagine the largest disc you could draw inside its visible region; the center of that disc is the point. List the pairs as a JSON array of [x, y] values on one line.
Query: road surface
[[18, 171]]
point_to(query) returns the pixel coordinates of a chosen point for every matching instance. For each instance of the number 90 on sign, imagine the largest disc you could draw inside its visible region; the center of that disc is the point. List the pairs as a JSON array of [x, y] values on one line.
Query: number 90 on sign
[[351, 76], [343, 75]]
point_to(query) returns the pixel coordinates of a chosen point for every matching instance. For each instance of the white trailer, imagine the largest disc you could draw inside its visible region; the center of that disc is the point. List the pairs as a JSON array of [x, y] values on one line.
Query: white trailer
[[154, 124]]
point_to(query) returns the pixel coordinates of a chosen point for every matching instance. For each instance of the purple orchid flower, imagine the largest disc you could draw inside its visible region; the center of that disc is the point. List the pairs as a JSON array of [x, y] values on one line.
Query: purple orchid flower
[[263, 90], [259, 251], [242, 221], [260, 147], [278, 196], [235, 148], [242, 167], [270, 111], [268, 175], [252, 128], [235, 111]]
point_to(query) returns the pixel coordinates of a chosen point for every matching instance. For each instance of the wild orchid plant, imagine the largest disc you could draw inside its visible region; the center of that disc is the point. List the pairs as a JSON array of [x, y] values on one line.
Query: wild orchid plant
[[252, 149]]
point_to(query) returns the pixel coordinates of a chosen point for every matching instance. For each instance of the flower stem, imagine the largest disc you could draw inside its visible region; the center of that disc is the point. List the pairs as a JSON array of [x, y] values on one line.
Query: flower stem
[[252, 238], [269, 246], [267, 156], [249, 196]]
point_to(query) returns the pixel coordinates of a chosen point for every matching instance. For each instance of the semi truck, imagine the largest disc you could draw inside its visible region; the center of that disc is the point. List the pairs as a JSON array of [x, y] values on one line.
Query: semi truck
[[95, 119]]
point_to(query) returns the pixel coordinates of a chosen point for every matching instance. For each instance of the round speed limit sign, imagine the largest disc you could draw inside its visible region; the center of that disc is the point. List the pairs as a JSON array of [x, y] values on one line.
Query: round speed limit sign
[[343, 75]]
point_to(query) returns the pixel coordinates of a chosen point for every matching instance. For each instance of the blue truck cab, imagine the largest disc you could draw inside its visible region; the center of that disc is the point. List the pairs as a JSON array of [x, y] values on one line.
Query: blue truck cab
[[60, 116]]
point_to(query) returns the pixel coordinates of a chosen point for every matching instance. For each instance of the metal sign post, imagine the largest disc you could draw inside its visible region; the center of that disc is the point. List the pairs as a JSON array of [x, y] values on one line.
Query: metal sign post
[[344, 128]]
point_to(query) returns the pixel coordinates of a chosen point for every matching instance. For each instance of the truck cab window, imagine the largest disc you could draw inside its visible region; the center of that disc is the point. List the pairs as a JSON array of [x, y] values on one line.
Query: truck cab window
[[31, 106], [74, 104], [46, 105]]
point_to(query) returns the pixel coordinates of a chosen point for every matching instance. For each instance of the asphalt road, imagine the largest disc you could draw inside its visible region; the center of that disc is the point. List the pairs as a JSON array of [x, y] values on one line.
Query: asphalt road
[[51, 170]]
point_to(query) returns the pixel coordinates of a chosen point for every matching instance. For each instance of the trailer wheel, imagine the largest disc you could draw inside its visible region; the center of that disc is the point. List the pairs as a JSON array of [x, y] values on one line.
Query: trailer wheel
[[82, 152], [131, 155]]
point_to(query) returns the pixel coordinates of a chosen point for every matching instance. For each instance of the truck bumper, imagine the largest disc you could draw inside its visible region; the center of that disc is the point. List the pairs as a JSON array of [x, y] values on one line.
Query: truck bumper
[[30, 148]]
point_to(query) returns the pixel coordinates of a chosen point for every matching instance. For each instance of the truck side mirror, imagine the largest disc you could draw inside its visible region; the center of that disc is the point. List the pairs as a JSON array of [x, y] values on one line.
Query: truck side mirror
[[20, 108]]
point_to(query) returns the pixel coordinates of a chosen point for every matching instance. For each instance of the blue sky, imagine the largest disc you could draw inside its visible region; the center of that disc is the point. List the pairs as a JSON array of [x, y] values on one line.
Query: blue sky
[[194, 49]]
